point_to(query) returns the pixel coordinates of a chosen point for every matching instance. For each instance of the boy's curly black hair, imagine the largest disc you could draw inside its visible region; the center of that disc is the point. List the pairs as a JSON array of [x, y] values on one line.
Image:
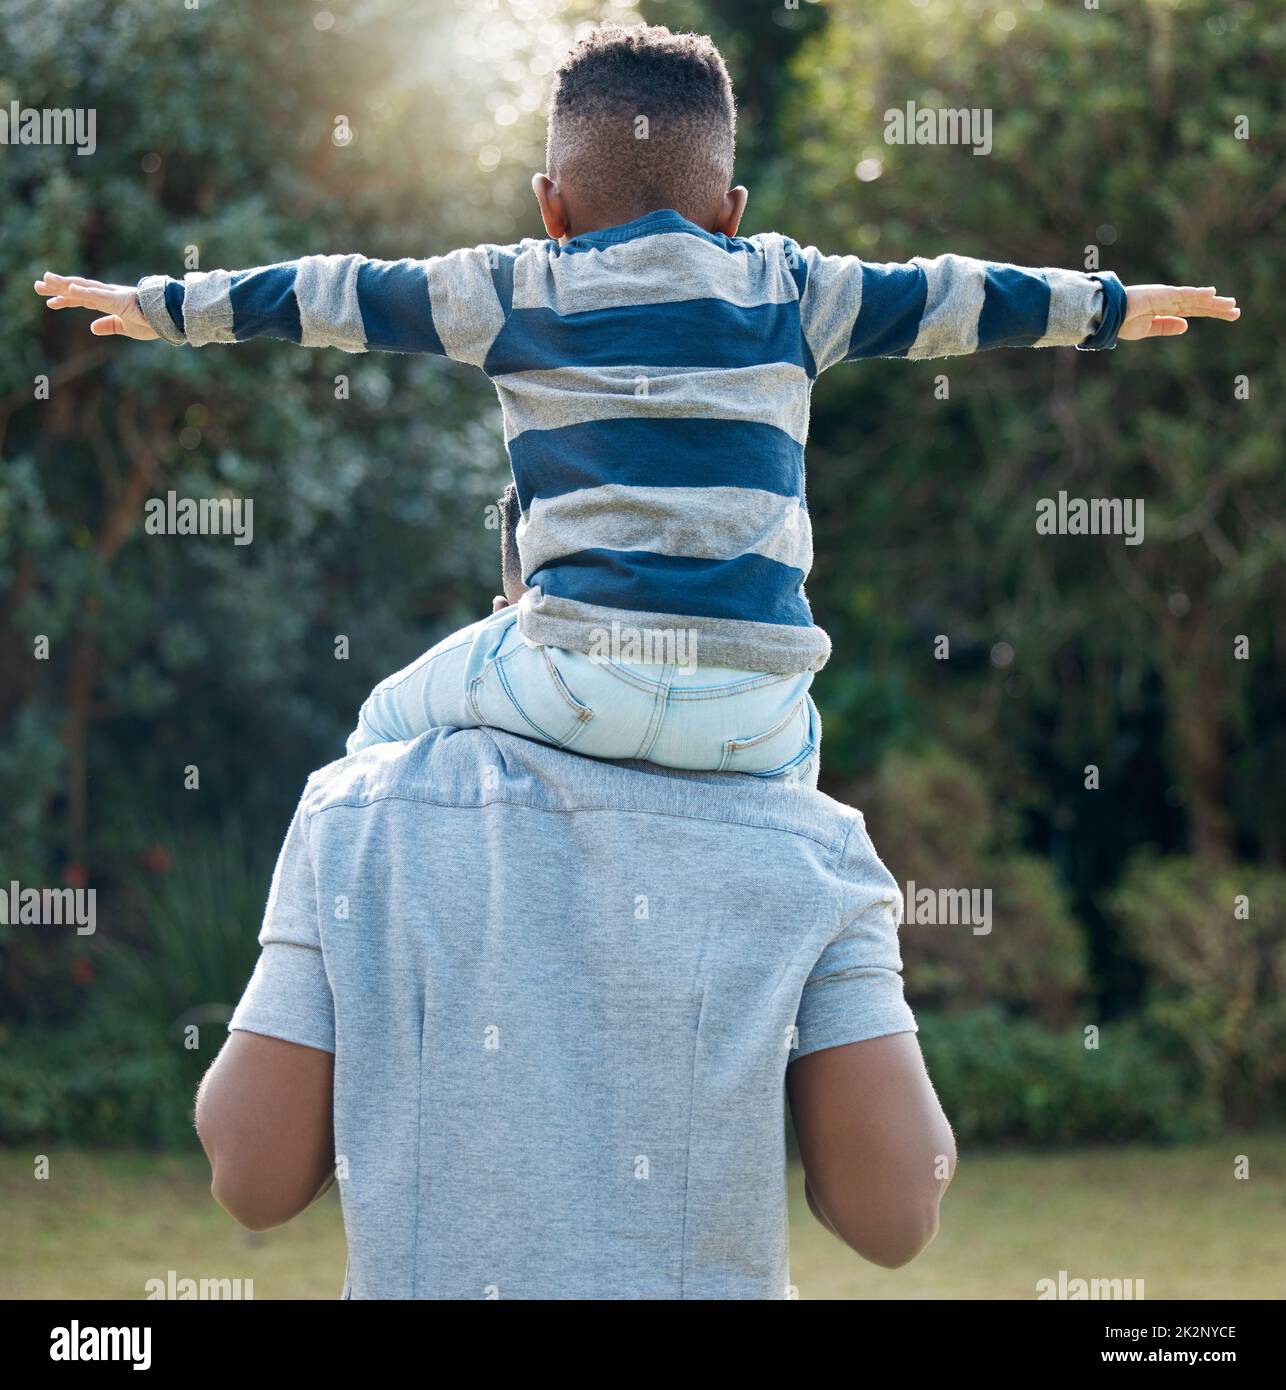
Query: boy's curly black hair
[[641, 118]]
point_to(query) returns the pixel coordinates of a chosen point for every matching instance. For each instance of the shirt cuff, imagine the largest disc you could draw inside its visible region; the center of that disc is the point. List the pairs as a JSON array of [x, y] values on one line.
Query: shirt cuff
[[152, 300], [1112, 316], [288, 997], [862, 1004]]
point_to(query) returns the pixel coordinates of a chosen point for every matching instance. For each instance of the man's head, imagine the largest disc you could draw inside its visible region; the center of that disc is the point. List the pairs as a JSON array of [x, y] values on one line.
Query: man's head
[[640, 119]]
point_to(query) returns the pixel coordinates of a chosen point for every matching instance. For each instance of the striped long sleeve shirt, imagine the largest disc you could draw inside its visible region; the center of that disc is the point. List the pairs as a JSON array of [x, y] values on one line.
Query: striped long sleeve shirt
[[654, 380]]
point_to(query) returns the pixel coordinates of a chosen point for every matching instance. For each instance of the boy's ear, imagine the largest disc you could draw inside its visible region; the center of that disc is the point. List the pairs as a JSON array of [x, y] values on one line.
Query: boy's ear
[[553, 213], [730, 210]]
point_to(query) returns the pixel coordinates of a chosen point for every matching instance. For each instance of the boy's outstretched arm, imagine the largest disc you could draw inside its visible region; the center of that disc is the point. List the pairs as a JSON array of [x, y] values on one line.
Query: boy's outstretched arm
[[950, 305], [452, 306]]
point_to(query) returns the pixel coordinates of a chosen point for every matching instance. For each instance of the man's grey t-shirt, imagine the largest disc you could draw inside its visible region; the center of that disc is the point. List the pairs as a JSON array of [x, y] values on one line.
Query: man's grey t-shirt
[[562, 995]]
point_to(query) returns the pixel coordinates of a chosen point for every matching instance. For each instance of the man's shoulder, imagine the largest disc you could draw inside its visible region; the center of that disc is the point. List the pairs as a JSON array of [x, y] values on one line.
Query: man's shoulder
[[476, 767]]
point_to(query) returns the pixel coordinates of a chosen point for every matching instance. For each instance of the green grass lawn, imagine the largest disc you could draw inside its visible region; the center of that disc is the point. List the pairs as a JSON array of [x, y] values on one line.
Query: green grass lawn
[[104, 1223]]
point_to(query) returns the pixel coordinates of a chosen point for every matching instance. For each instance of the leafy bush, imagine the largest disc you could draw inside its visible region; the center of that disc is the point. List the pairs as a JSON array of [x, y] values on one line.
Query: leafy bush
[[1003, 1079], [96, 1084], [1217, 980], [934, 823], [192, 935], [164, 978]]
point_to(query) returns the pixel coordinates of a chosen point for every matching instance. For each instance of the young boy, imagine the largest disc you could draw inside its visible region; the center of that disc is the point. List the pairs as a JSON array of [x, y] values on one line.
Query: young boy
[[654, 370]]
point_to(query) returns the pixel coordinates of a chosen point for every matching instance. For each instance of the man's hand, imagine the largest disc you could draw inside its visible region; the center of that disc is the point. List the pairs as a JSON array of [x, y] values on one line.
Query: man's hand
[[118, 302], [1163, 311]]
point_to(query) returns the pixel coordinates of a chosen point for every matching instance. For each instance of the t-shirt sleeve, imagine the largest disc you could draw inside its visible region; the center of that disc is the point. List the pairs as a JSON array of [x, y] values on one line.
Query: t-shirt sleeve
[[289, 994], [854, 991], [448, 306], [947, 305]]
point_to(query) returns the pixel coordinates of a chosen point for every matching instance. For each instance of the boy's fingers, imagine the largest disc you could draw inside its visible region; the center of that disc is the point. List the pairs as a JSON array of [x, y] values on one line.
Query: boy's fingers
[[49, 283], [80, 293], [52, 278], [1167, 326], [110, 325], [1204, 303], [75, 294], [1173, 302], [65, 301], [76, 289]]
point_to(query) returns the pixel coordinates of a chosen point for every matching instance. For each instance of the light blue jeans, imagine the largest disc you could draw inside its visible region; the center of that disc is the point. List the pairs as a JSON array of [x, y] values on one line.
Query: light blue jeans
[[708, 719]]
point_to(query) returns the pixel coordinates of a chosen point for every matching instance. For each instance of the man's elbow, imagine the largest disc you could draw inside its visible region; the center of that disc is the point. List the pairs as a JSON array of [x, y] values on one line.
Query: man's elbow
[[895, 1240], [248, 1203], [887, 1228], [263, 1115], [241, 1187]]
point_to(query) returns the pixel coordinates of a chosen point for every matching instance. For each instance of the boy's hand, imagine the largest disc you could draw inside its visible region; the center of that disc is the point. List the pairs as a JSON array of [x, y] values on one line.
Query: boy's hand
[[1163, 311], [118, 302]]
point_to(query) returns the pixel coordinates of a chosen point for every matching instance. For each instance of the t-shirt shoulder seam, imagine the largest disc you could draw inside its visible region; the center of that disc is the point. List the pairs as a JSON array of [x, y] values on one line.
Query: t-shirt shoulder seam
[[828, 845]]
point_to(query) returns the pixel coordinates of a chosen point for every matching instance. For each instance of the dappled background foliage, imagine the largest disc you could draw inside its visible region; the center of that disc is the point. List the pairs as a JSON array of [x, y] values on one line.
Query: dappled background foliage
[[1114, 135]]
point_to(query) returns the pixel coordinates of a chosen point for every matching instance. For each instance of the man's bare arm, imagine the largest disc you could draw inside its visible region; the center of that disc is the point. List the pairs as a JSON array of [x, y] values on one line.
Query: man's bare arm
[[878, 1152], [265, 1114]]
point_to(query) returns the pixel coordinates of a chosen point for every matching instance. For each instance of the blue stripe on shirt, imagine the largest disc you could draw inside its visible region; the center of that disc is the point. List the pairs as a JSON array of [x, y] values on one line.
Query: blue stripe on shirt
[[1015, 308], [710, 333], [174, 302], [502, 275], [748, 588], [264, 305], [888, 321], [647, 451], [393, 297]]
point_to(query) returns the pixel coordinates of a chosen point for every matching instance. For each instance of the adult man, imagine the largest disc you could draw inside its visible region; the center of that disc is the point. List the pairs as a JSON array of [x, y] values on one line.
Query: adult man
[[537, 1009]]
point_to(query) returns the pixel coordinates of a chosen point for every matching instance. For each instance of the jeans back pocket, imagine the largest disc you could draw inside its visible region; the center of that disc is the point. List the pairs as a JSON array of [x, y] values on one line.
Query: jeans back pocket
[[777, 749], [522, 692]]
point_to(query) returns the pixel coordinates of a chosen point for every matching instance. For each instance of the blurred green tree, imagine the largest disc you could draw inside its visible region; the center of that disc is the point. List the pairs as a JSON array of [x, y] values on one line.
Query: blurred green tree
[[232, 136], [1116, 135]]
